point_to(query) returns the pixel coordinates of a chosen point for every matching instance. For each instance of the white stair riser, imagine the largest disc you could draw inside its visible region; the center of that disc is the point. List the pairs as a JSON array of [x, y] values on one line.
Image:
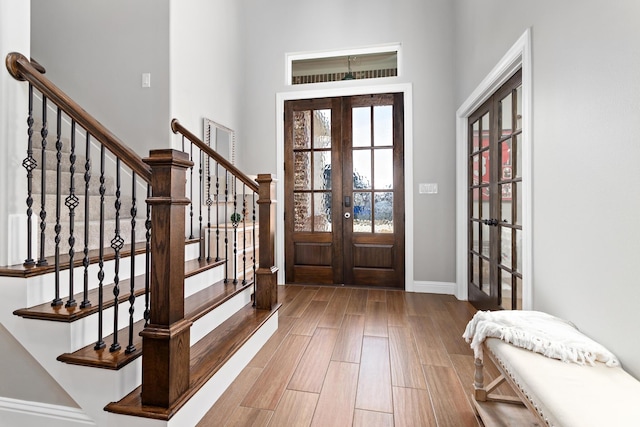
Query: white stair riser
[[41, 289], [65, 337], [193, 411], [213, 319], [203, 280]]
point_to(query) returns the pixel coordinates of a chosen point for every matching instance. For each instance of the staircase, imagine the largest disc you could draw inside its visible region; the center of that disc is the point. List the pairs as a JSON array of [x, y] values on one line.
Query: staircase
[[142, 316]]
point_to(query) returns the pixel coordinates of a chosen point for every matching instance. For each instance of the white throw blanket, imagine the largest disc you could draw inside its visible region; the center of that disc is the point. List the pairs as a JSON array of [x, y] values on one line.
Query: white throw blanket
[[539, 332]]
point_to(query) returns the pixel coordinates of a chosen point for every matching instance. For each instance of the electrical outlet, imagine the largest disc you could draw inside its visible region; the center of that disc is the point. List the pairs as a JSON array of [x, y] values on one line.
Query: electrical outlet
[[428, 188]]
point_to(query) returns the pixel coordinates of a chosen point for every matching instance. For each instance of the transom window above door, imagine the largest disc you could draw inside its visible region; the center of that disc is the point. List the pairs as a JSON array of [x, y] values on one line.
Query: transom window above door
[[353, 64]]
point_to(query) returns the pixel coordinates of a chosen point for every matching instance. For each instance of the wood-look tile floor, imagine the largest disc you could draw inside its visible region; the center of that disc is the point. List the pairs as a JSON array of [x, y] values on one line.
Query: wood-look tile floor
[[357, 357]]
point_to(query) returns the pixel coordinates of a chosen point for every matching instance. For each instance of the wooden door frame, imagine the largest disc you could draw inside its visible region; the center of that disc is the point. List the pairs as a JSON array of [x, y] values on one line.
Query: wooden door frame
[[407, 90], [519, 56]]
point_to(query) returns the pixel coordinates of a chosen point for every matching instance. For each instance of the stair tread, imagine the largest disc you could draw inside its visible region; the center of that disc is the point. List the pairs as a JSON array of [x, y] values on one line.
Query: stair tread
[[61, 313], [205, 362], [46, 311], [196, 306], [20, 270]]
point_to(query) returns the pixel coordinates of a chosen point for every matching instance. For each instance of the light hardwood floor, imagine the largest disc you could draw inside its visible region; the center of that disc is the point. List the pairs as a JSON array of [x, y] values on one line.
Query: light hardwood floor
[[357, 357]]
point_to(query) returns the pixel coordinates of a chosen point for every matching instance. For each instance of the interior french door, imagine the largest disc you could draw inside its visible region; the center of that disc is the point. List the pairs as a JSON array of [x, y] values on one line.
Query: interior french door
[[495, 200], [344, 191]]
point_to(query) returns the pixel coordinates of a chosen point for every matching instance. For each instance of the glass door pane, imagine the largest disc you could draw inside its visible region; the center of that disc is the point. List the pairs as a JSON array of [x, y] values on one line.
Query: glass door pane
[[495, 199]]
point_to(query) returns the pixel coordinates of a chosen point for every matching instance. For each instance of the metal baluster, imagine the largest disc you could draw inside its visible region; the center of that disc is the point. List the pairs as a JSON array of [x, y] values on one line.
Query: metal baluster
[[147, 265], [57, 300], [254, 246], [191, 189], [244, 234], [200, 234], [226, 226], [100, 344], [235, 220], [29, 163], [44, 132], [217, 211], [209, 204], [116, 243], [85, 261], [132, 297], [72, 202]]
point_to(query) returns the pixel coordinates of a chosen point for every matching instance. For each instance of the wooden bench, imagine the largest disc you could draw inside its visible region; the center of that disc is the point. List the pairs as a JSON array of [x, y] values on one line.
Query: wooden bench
[[554, 393]]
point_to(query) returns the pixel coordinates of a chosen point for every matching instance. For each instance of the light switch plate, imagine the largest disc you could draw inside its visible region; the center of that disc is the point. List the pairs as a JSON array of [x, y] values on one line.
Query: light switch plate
[[146, 79]]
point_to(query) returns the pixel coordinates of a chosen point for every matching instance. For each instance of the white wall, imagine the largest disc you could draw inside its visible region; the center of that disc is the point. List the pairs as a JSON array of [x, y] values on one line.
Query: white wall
[[206, 76], [586, 197], [14, 37], [96, 51], [425, 30], [22, 377]]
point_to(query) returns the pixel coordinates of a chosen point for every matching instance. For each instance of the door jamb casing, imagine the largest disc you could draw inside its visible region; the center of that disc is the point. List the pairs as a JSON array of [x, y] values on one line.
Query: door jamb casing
[[406, 89], [519, 56]]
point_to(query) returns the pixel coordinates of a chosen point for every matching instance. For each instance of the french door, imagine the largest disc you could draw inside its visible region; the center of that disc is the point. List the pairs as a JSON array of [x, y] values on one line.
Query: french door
[[495, 200], [344, 191]]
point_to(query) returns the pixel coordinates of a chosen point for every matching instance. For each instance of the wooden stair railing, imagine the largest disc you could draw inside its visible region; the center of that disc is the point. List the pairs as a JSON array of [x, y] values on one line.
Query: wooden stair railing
[[266, 295], [22, 69], [165, 342]]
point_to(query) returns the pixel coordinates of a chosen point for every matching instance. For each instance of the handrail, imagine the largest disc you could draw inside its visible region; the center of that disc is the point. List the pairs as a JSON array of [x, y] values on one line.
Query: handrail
[[22, 69], [176, 127], [38, 66]]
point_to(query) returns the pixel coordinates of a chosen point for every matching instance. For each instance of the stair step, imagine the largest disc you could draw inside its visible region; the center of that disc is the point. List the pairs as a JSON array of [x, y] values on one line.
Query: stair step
[[94, 235], [78, 182], [196, 306], [94, 209], [94, 257], [208, 356], [51, 159], [61, 313]]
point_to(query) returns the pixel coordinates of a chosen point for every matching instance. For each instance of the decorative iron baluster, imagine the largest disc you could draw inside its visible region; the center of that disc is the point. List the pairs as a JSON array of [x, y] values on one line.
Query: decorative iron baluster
[[132, 297], [44, 132], [85, 261], [226, 226], [200, 234], [147, 268], [235, 220], [191, 189], [217, 211], [29, 163], [244, 234], [116, 243], [209, 204], [57, 301], [72, 203], [100, 344], [253, 202]]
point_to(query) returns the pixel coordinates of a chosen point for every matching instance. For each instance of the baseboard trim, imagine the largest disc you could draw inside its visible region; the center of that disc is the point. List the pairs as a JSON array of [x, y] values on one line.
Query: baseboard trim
[[29, 413], [448, 288]]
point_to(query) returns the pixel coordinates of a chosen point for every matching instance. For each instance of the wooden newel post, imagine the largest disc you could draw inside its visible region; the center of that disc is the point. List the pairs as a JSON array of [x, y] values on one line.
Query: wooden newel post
[[267, 273], [165, 340]]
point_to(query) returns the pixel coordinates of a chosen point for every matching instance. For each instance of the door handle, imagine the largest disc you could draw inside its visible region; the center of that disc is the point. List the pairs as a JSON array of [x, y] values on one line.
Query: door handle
[[492, 222]]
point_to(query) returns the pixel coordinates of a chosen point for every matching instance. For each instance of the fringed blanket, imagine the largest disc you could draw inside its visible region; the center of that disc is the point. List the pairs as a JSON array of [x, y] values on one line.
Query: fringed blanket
[[538, 332]]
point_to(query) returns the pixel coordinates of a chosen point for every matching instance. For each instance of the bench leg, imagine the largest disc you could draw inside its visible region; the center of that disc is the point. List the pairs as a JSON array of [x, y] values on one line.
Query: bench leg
[[480, 393]]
